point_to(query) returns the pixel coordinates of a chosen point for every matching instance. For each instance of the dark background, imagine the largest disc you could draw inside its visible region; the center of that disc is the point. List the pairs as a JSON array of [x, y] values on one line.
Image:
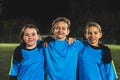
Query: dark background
[[16, 13]]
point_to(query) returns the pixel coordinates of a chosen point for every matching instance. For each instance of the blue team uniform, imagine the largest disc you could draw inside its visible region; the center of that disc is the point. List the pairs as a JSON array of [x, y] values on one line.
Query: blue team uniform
[[61, 60], [32, 66], [91, 66]]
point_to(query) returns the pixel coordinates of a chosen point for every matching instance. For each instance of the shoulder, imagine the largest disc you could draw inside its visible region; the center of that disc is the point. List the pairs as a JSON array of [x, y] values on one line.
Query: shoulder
[[104, 47], [78, 43], [85, 42]]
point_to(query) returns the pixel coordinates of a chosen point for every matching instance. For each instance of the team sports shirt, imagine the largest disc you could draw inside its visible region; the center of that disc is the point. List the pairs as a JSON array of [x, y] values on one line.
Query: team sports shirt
[[32, 66], [91, 66], [61, 59]]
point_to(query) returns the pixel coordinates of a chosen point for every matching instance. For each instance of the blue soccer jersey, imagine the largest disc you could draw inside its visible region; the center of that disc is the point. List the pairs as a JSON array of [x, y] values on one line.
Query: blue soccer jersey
[[32, 66], [61, 60], [91, 66]]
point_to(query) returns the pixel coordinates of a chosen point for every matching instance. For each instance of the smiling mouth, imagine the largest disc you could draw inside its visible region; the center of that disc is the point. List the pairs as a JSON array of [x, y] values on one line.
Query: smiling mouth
[[60, 33], [91, 39], [30, 41]]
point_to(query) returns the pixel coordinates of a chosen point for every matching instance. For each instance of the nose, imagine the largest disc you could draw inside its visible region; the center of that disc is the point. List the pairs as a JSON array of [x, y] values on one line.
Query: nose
[[29, 36], [60, 29], [92, 34]]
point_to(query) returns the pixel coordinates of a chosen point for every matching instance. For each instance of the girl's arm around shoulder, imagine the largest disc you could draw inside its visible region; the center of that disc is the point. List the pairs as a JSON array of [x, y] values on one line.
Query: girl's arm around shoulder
[[47, 40], [78, 44]]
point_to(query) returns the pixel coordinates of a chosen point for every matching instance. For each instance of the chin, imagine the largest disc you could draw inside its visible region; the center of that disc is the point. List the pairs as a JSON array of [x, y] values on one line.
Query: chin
[[91, 42]]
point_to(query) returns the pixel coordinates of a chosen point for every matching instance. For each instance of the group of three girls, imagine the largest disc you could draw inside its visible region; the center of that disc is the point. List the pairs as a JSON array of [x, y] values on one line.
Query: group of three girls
[[80, 60]]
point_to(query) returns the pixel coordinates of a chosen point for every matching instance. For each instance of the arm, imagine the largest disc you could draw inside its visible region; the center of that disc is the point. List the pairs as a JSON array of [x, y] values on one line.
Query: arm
[[15, 62], [14, 69], [47, 40], [70, 40], [111, 73]]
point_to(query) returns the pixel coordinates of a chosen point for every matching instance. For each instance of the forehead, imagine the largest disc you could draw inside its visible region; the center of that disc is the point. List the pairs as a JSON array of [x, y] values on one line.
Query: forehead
[[61, 24], [28, 30], [93, 28]]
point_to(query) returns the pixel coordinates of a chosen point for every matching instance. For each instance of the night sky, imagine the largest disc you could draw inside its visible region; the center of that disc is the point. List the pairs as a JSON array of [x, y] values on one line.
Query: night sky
[[46, 10], [42, 10], [34, 8], [50, 8]]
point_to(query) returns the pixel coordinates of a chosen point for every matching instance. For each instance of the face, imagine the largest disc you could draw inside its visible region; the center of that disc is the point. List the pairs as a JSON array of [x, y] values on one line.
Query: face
[[93, 35], [30, 37], [61, 30]]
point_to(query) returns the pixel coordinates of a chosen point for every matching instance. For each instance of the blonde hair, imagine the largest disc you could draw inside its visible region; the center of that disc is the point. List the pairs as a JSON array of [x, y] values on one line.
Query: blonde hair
[[64, 19], [95, 24]]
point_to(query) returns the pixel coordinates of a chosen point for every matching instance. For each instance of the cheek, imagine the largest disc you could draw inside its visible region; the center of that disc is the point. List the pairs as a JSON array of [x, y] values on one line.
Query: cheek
[[86, 36], [24, 38], [54, 32], [36, 38]]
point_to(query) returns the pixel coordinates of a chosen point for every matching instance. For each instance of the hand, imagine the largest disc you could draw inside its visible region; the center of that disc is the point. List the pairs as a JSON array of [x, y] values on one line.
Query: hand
[[45, 44], [70, 40], [47, 40]]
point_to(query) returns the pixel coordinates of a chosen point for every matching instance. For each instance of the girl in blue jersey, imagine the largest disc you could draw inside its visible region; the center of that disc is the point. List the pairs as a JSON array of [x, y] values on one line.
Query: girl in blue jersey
[[61, 58], [28, 60], [95, 61]]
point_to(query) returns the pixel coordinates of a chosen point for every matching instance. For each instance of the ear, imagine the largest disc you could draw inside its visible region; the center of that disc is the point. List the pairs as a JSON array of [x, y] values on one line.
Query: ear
[[68, 31], [101, 35]]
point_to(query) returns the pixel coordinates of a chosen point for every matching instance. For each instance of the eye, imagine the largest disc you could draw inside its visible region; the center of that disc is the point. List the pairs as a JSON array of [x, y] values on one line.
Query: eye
[[33, 34], [64, 28], [95, 32], [56, 27], [89, 33], [26, 34]]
